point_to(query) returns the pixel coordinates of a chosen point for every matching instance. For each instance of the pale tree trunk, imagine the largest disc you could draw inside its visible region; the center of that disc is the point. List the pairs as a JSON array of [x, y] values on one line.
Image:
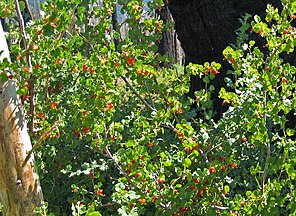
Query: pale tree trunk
[[20, 190]]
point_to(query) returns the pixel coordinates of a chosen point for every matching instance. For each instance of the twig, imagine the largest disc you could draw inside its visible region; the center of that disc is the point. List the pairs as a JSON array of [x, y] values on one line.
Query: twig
[[120, 169], [29, 63], [38, 143], [137, 94], [221, 207]]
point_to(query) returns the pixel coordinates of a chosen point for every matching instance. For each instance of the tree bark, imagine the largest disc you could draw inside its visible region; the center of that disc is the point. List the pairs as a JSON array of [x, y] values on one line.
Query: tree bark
[[205, 28], [170, 44], [20, 190]]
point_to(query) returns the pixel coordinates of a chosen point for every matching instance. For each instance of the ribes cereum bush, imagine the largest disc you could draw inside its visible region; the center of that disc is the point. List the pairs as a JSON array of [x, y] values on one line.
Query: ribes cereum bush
[[119, 136]]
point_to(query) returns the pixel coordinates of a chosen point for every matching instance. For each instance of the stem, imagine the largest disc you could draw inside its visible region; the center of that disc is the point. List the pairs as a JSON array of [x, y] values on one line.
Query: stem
[[137, 94], [120, 169]]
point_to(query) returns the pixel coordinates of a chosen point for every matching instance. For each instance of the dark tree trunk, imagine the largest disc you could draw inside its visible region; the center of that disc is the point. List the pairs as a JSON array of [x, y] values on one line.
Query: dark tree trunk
[[206, 27]]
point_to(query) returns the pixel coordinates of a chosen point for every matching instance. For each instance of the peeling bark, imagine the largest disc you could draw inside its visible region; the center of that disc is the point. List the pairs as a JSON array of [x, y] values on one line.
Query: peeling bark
[[20, 190], [170, 44]]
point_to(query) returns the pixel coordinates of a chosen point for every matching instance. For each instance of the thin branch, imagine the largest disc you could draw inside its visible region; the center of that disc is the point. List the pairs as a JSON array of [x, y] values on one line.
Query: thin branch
[[120, 169], [221, 208], [137, 94], [29, 63], [149, 95], [38, 143]]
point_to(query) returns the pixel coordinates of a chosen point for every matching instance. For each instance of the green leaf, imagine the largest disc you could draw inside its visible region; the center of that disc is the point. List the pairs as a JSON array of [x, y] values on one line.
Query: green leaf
[[290, 132], [186, 162], [96, 213], [22, 5], [226, 189]]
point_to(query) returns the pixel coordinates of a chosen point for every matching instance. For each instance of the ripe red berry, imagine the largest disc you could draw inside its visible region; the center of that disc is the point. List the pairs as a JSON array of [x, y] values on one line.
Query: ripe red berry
[[100, 192], [86, 130], [223, 168], [84, 68], [26, 70], [138, 175], [196, 180], [215, 72], [76, 132], [130, 61], [54, 105], [233, 165], [161, 181], [193, 188], [212, 169], [187, 149]]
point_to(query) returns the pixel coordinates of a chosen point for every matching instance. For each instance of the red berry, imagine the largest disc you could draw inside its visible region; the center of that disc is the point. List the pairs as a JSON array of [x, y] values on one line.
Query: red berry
[[130, 61], [100, 192], [84, 68], [215, 72], [161, 181], [223, 168], [54, 105], [193, 188], [76, 132], [26, 70], [233, 165], [138, 175], [86, 130], [212, 169], [196, 180]]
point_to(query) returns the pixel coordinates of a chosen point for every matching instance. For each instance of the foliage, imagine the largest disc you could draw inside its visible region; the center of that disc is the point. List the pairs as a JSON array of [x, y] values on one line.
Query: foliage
[[118, 134]]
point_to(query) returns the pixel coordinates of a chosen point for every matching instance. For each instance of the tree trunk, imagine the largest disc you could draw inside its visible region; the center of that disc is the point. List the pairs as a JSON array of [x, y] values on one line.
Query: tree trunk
[[170, 44], [205, 28], [20, 190]]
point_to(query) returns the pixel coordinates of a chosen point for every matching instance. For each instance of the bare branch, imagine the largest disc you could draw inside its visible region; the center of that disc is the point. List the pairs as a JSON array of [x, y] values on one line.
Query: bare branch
[[221, 208], [137, 94]]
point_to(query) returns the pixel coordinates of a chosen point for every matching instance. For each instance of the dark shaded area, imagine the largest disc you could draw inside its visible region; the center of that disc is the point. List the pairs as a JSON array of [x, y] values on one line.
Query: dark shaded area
[[205, 28]]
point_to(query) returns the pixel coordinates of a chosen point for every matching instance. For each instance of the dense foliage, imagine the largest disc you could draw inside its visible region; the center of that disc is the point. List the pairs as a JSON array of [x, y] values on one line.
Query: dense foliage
[[117, 133]]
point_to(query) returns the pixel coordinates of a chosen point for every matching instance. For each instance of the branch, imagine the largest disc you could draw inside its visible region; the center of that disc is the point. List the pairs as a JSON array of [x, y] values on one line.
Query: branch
[[29, 63], [221, 207], [38, 143], [120, 169], [137, 94]]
